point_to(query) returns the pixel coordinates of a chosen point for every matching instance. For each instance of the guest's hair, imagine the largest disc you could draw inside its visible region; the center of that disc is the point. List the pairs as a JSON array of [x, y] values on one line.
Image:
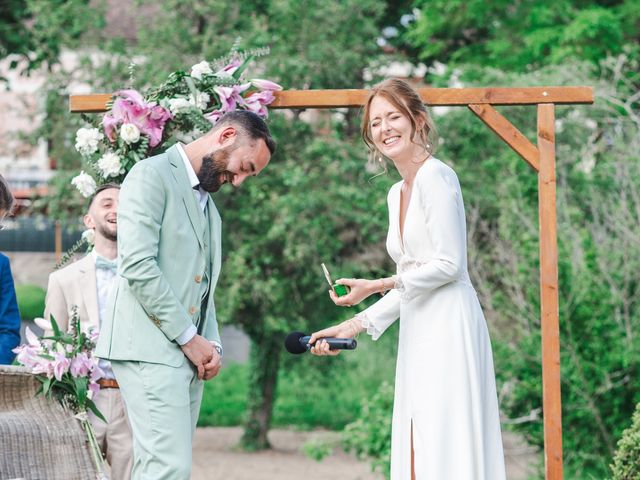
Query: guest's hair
[[6, 197], [248, 124], [100, 189], [405, 98]]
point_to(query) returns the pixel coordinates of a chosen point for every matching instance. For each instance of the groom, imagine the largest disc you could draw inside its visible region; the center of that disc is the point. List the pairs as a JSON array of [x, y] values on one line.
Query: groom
[[161, 333]]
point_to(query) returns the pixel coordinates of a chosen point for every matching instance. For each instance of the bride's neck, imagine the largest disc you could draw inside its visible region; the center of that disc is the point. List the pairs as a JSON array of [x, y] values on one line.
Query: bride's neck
[[408, 166]]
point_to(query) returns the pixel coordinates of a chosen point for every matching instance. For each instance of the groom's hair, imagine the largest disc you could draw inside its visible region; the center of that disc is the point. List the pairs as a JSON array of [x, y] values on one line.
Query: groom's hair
[[249, 125]]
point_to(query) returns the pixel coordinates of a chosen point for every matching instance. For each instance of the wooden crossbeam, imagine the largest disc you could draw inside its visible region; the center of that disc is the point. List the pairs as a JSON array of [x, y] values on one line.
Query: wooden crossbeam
[[507, 132], [356, 98]]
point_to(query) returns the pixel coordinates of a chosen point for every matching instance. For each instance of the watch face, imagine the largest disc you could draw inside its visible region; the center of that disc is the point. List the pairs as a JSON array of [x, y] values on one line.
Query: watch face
[[218, 349]]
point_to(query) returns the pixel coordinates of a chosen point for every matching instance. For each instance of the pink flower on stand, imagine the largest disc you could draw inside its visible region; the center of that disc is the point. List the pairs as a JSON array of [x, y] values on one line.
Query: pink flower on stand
[[229, 70], [257, 102], [261, 84], [130, 107]]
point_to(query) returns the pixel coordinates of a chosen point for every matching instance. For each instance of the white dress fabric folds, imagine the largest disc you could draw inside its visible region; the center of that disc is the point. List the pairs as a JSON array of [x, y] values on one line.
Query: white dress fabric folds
[[445, 384]]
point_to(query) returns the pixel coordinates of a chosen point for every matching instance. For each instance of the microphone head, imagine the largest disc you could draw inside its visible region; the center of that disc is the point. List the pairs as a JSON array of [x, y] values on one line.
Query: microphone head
[[292, 343]]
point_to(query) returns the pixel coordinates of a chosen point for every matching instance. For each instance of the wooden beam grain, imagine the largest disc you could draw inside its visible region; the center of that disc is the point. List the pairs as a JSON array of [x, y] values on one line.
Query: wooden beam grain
[[509, 133], [551, 397], [356, 98]]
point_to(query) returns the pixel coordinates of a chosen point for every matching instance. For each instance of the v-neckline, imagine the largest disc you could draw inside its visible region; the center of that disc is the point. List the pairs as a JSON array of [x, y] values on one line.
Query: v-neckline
[[402, 226]]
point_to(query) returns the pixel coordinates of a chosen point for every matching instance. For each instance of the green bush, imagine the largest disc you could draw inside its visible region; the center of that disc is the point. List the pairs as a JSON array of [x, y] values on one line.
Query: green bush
[[30, 301], [626, 463], [370, 435]]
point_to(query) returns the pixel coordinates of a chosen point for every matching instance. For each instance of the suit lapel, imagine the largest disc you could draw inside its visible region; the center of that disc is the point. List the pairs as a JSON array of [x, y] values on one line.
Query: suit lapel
[[214, 224], [186, 191], [89, 289]]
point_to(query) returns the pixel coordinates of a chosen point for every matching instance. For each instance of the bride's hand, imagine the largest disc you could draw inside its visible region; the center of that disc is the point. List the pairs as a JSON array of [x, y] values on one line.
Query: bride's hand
[[360, 289], [346, 329]]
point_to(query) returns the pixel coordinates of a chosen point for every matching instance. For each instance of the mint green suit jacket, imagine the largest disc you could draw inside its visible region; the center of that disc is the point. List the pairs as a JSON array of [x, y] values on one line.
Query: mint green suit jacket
[[162, 255]]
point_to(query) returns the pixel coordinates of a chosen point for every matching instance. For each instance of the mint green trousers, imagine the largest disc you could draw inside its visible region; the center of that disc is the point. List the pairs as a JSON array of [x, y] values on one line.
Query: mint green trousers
[[163, 404]]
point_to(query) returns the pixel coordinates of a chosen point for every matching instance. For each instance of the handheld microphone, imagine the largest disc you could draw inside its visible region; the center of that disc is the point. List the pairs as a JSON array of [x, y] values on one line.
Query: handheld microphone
[[298, 342]]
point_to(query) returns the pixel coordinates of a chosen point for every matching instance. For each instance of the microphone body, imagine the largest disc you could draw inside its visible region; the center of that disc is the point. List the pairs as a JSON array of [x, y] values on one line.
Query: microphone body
[[334, 343], [298, 342]]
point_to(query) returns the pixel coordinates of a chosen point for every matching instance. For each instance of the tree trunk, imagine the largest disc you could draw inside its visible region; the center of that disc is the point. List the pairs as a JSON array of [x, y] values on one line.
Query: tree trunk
[[264, 362]]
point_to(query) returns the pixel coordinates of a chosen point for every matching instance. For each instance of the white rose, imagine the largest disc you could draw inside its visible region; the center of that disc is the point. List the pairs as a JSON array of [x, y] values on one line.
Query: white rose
[[129, 133], [85, 184], [200, 101], [109, 165], [89, 236], [200, 69], [87, 140], [179, 105]]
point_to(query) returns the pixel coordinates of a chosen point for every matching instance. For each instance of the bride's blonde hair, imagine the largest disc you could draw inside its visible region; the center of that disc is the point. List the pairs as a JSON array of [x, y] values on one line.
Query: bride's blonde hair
[[408, 102]]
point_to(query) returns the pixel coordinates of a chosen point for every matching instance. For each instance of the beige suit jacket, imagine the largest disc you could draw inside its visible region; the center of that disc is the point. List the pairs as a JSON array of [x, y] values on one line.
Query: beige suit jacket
[[72, 285]]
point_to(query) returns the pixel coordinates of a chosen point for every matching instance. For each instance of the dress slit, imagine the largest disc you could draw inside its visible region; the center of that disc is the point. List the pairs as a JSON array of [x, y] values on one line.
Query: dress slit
[[413, 468]]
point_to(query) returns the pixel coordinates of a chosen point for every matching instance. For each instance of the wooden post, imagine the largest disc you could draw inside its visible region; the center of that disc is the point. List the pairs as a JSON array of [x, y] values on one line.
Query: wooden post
[[58, 240], [551, 404]]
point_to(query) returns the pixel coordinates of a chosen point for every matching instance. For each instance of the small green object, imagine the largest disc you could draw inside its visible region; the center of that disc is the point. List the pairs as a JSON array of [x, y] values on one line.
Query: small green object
[[340, 290]]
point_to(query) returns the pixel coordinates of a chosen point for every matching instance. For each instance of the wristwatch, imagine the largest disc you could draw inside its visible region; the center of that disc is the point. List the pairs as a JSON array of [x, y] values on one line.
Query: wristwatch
[[218, 349]]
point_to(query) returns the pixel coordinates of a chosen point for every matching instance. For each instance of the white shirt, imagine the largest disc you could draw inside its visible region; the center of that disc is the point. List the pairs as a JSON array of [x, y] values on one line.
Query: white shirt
[[105, 280]]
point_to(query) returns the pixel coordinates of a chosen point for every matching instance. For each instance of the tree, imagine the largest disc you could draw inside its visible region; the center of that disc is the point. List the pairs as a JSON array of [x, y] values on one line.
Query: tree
[[522, 35]]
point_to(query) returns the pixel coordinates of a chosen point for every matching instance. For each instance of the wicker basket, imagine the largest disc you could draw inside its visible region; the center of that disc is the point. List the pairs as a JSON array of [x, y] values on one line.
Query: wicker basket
[[39, 440]]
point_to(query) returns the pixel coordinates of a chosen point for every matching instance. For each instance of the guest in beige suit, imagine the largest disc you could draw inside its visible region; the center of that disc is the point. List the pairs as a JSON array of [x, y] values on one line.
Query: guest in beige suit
[[86, 284]]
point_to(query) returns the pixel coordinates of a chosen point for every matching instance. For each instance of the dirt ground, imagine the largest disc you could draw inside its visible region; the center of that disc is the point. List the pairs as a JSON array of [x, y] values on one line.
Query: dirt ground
[[216, 458]]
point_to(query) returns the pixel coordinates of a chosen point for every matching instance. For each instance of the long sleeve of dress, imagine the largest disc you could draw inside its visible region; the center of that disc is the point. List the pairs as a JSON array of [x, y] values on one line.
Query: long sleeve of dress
[[440, 198], [379, 316]]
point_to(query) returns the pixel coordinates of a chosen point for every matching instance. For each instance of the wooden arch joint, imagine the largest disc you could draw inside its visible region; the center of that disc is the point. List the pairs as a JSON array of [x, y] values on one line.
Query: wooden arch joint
[[508, 133]]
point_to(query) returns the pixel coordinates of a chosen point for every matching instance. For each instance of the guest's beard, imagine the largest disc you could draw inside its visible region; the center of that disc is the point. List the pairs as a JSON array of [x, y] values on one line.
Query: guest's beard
[[111, 235], [213, 171]]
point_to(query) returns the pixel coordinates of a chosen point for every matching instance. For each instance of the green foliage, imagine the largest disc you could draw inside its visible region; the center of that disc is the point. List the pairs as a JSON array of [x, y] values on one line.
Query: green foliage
[[522, 35], [626, 463], [370, 435], [38, 30], [30, 301]]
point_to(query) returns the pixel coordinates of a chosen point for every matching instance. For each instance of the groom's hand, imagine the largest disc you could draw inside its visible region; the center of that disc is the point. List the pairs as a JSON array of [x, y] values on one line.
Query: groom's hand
[[200, 352], [212, 368]]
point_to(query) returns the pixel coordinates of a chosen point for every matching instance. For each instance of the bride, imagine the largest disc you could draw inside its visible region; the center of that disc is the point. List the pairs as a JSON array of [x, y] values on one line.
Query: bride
[[445, 418]]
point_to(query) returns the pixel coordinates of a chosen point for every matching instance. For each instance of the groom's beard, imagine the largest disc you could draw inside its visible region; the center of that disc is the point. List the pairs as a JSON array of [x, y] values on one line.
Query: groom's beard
[[213, 171]]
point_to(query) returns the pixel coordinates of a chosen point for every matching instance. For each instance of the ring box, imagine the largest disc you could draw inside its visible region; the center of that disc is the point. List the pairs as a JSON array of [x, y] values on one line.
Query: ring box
[[340, 290]]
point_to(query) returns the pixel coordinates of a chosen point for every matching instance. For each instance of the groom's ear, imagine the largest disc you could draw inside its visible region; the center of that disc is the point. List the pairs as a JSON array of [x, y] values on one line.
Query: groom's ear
[[227, 136]]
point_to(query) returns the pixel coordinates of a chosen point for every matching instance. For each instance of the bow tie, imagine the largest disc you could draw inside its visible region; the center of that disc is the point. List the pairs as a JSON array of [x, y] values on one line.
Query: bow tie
[[105, 264]]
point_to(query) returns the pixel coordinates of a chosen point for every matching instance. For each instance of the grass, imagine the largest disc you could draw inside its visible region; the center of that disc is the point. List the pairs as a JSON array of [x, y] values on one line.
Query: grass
[[30, 301], [312, 391]]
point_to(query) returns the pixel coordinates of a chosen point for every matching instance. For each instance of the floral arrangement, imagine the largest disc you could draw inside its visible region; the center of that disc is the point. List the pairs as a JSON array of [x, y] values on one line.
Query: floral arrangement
[[183, 108], [65, 366]]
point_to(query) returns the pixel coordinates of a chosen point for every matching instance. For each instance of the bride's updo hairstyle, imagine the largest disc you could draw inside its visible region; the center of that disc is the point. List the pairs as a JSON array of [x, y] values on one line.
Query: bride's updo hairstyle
[[408, 102]]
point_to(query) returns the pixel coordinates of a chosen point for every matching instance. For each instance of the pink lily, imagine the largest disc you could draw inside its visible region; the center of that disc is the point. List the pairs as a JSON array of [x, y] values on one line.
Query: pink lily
[[81, 365], [214, 116], [262, 85], [60, 365], [229, 69]]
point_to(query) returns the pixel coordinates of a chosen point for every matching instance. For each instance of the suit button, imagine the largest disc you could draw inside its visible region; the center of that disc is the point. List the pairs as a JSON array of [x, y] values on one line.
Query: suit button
[[198, 278], [193, 310]]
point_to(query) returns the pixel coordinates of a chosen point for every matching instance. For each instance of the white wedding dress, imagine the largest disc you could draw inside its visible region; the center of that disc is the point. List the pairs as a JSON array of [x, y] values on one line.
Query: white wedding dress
[[445, 383]]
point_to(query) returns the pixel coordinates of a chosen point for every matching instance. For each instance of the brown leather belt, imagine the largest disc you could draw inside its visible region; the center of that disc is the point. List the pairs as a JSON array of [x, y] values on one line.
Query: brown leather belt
[[108, 383]]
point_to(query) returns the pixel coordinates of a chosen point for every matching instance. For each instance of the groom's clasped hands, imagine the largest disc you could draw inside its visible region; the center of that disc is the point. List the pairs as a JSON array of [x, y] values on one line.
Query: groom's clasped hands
[[204, 356]]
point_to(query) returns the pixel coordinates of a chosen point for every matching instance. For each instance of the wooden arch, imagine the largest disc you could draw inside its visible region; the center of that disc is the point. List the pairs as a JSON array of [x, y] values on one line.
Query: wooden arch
[[540, 157]]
